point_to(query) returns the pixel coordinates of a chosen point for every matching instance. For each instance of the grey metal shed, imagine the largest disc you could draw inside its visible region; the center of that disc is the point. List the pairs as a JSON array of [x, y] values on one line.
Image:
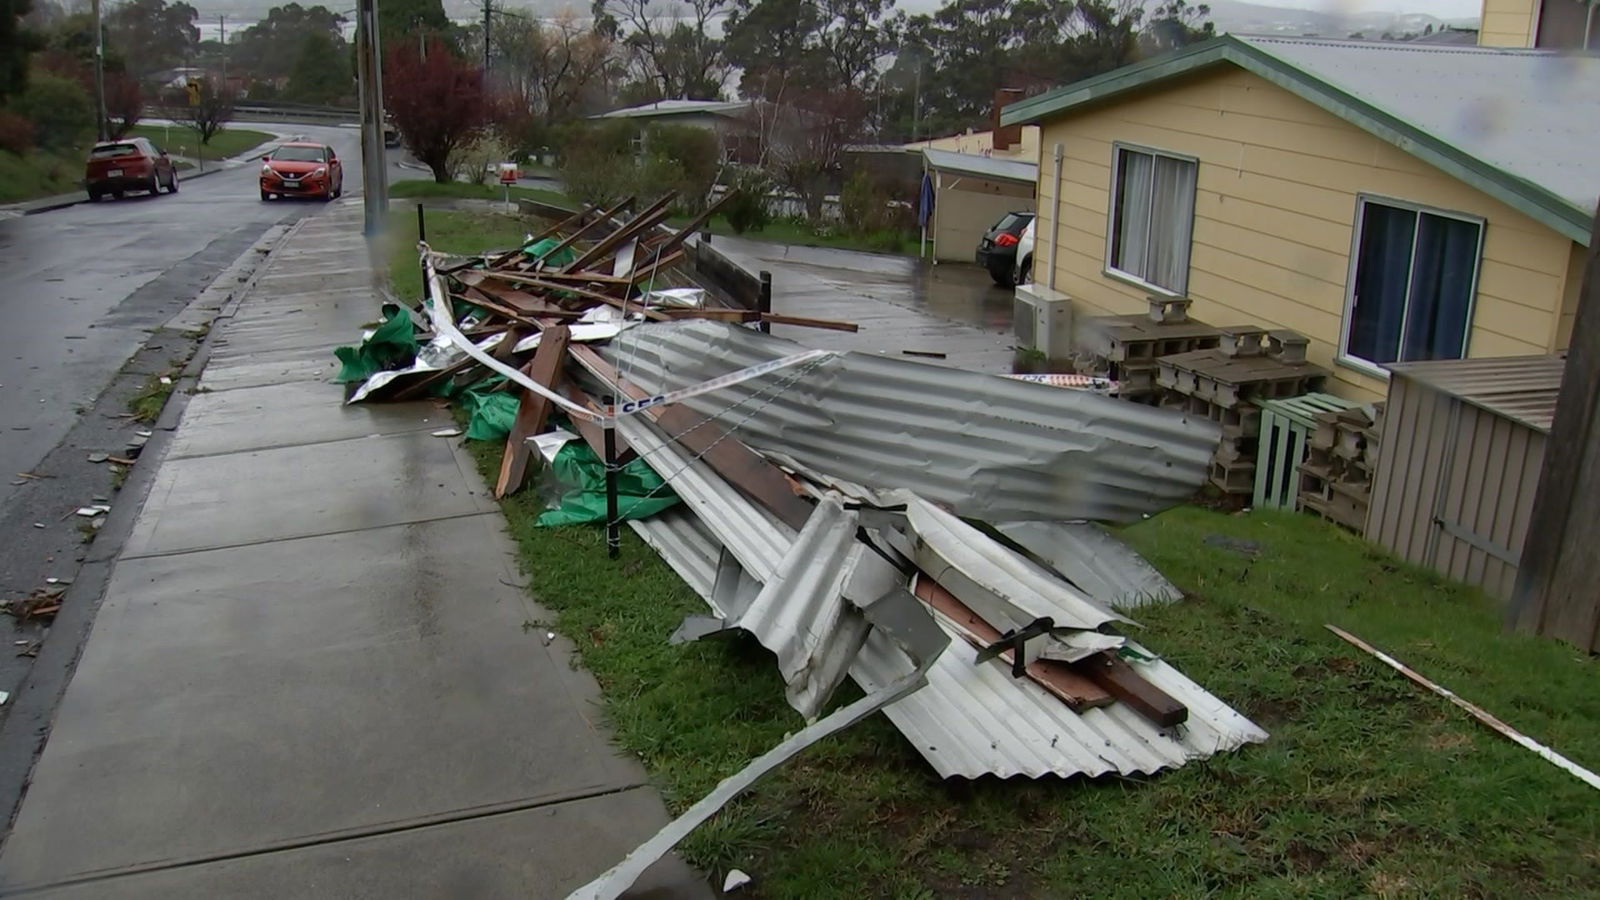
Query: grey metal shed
[[1463, 442]]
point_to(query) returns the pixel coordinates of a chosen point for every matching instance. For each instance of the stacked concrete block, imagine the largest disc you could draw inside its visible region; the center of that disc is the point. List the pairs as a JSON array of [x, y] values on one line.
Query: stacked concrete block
[[1336, 478], [1126, 348], [1225, 383]]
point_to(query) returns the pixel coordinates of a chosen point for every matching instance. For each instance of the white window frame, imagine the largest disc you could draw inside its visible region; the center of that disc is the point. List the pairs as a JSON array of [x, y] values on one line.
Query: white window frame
[[1110, 270], [1343, 356]]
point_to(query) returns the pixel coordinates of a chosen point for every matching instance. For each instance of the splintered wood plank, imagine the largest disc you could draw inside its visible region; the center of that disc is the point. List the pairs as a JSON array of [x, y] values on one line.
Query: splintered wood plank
[[544, 369], [1057, 677], [1120, 680]]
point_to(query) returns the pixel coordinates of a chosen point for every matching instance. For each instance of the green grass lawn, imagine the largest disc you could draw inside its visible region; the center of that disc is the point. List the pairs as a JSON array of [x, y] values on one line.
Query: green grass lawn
[[39, 174], [450, 231], [185, 141], [1368, 785], [428, 188]]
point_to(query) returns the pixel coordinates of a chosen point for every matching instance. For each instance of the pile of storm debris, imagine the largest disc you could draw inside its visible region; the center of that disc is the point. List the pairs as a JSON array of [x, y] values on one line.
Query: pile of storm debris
[[924, 531]]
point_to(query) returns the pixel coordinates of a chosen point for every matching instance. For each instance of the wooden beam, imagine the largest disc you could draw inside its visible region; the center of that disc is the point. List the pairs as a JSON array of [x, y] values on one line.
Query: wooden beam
[[651, 216], [1056, 677], [1121, 681], [686, 231], [521, 302], [591, 432], [531, 281], [605, 216], [573, 219], [746, 470], [750, 315], [544, 369], [1555, 591]]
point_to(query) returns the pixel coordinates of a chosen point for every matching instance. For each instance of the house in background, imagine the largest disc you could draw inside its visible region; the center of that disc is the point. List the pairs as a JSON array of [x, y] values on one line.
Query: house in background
[[1390, 201], [730, 121], [1542, 24]]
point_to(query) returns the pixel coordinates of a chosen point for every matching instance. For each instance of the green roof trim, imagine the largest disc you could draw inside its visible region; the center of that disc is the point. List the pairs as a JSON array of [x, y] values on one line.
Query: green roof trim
[[1524, 196]]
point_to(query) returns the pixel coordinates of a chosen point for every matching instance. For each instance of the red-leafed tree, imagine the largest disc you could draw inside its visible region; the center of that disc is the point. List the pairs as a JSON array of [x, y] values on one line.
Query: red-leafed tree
[[436, 99]]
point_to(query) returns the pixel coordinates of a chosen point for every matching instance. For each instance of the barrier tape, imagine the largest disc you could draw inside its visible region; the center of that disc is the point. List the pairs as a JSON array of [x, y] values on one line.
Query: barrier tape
[[443, 325]]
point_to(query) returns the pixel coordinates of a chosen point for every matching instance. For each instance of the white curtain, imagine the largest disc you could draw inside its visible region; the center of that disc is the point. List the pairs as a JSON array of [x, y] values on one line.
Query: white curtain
[[1172, 209], [1133, 213]]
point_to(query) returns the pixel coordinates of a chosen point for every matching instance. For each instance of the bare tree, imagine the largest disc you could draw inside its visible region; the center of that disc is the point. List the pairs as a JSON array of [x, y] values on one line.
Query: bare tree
[[212, 109], [671, 45]]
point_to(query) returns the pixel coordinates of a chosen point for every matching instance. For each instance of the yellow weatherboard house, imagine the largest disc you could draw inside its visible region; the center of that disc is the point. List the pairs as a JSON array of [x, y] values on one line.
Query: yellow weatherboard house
[[1390, 201]]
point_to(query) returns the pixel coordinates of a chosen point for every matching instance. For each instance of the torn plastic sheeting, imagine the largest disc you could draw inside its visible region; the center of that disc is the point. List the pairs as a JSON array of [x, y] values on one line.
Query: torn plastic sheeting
[[681, 298], [640, 491], [1008, 590], [991, 448], [490, 414], [439, 353], [391, 345], [1094, 560], [599, 324], [443, 325], [540, 251]]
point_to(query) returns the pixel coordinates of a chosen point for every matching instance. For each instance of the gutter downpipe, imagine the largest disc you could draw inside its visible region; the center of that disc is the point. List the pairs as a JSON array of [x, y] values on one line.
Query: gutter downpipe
[[1055, 221]]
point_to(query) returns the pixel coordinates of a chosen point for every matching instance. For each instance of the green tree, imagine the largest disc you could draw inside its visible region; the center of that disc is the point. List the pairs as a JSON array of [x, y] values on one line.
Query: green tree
[[272, 47], [680, 53], [152, 34], [321, 71], [59, 108], [410, 22], [16, 43]]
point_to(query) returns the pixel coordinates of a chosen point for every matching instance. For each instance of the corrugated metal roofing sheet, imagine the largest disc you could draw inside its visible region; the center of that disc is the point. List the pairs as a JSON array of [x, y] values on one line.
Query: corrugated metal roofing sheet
[[975, 719], [988, 447], [981, 166], [970, 720], [1520, 388]]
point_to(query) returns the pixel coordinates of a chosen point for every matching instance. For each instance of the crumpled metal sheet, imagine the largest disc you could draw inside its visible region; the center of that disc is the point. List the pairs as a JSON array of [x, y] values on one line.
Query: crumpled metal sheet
[[1007, 589], [988, 447], [973, 720], [1096, 561]]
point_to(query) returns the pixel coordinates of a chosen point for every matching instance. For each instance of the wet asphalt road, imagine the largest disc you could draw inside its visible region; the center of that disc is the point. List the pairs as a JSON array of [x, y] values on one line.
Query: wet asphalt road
[[70, 274]]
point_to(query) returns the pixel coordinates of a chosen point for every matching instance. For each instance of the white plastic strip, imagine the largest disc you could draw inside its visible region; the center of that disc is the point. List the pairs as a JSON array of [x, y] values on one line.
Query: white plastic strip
[[620, 877], [443, 325], [1476, 711]]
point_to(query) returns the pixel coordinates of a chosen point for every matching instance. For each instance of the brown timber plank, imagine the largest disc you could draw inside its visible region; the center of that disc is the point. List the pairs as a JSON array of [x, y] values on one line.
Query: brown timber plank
[[544, 369]]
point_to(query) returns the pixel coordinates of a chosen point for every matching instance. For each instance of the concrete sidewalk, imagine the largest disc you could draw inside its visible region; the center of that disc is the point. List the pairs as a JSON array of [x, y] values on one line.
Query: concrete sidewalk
[[311, 675]]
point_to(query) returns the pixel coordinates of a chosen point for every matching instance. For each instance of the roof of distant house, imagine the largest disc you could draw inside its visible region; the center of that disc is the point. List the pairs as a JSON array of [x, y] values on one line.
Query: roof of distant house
[[662, 108], [1455, 37], [992, 167], [1520, 125]]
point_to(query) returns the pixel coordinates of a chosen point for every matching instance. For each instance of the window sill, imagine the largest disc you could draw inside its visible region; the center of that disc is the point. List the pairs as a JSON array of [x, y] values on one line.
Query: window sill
[[1136, 281], [1362, 366]]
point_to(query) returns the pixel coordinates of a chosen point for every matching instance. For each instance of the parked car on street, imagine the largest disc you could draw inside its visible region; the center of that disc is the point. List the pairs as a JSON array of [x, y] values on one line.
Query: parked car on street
[[997, 251], [131, 164], [301, 169]]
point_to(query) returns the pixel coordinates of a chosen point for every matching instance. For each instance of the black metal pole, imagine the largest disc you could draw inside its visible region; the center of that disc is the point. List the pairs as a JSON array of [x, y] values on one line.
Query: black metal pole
[[764, 301], [422, 235], [613, 529]]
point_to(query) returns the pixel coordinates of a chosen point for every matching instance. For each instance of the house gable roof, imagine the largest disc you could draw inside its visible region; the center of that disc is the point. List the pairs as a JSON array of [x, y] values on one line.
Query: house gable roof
[[1519, 125]]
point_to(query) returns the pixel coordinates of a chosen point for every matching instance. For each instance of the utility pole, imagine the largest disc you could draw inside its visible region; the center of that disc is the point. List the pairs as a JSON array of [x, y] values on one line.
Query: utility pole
[[486, 12], [369, 78], [222, 23], [99, 75]]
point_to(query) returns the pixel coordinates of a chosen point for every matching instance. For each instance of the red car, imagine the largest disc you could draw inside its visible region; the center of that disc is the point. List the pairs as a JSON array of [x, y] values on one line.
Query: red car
[[131, 164], [301, 170]]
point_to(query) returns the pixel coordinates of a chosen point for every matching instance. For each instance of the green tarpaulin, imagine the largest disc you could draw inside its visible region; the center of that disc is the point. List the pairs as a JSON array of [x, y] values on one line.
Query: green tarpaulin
[[538, 249], [490, 413], [393, 345], [640, 491]]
